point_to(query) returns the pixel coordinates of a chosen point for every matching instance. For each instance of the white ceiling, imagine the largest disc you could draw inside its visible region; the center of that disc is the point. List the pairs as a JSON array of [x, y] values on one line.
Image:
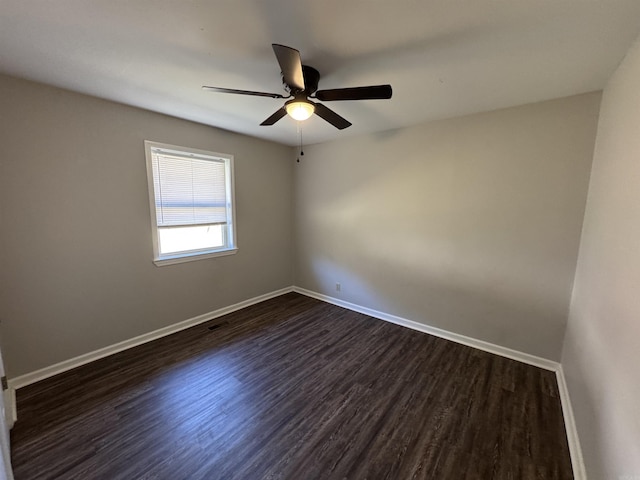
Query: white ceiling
[[442, 57]]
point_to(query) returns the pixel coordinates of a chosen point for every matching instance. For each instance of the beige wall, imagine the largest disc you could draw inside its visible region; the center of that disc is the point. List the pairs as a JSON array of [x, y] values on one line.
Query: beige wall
[[601, 355], [470, 224], [76, 251]]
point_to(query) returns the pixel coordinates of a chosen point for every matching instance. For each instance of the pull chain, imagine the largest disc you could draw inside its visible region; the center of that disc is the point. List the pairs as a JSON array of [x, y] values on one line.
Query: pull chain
[[300, 134]]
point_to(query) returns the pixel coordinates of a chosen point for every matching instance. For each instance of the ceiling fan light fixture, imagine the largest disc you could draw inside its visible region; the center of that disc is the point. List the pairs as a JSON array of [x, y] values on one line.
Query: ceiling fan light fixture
[[300, 109]]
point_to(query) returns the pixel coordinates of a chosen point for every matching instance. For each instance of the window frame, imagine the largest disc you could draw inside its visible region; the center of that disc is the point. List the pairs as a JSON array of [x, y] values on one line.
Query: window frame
[[229, 229]]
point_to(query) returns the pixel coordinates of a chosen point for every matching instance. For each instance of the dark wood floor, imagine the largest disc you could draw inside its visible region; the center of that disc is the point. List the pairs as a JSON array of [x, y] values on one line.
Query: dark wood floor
[[294, 388]]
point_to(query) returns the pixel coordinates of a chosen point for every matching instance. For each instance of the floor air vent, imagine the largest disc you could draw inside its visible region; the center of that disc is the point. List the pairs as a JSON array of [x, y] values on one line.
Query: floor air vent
[[216, 326]]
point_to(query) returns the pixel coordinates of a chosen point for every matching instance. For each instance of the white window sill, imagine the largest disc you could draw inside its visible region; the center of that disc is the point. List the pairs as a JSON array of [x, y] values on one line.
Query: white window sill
[[192, 257]]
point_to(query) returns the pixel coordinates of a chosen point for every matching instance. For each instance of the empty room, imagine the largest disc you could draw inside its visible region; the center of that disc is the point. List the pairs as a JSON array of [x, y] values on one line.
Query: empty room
[[320, 240]]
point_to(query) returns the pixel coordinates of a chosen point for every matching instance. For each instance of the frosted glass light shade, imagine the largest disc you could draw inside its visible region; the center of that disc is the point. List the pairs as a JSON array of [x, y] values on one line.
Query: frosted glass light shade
[[300, 110]]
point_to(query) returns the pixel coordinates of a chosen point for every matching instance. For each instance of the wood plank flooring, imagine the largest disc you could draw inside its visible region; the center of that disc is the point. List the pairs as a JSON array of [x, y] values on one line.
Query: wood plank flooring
[[294, 388]]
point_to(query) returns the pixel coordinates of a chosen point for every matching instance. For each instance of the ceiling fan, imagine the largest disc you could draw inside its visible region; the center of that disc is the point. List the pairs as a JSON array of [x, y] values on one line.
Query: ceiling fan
[[301, 82]]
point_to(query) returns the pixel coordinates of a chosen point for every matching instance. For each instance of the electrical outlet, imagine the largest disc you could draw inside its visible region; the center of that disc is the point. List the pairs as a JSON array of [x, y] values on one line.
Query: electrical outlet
[[338, 287]]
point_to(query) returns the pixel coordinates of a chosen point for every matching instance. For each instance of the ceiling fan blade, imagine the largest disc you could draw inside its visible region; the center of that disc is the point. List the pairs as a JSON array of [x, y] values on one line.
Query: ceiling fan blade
[[275, 117], [332, 117], [242, 92], [374, 92], [290, 65]]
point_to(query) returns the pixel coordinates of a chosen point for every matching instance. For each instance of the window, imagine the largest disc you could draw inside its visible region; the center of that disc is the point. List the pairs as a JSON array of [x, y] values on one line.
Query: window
[[191, 196]]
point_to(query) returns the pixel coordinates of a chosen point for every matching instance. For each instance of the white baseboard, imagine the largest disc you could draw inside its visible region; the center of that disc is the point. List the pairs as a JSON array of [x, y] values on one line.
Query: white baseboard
[[437, 332], [43, 373], [577, 461], [9, 399]]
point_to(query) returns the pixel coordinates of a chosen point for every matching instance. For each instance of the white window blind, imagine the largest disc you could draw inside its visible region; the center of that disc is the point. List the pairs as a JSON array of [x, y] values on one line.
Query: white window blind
[[189, 190], [191, 195]]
